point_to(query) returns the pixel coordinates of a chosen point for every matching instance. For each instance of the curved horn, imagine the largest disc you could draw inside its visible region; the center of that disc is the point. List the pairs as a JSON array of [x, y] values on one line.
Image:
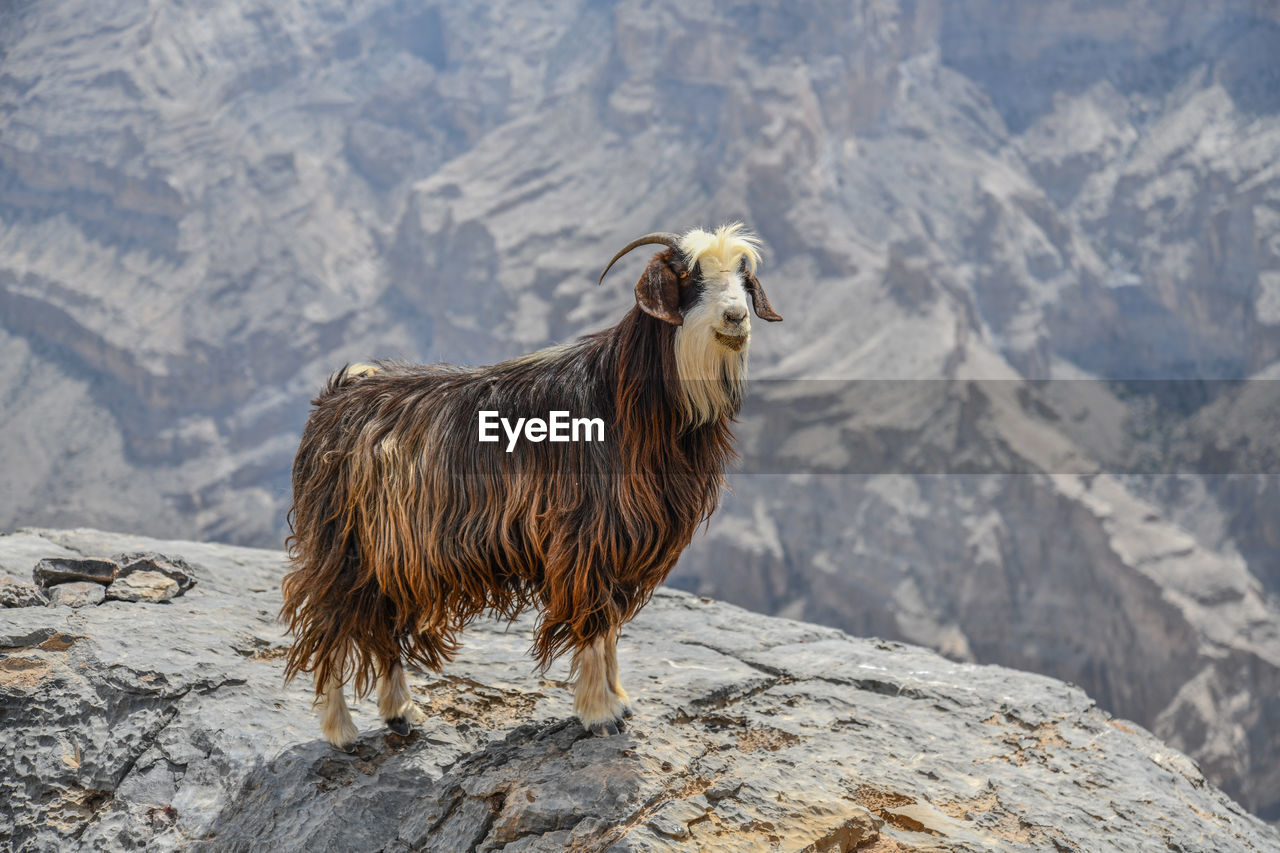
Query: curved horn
[[666, 238]]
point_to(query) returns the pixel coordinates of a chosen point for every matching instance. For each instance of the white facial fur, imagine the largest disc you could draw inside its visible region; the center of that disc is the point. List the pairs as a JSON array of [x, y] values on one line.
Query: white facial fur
[[710, 349], [725, 296], [711, 374]]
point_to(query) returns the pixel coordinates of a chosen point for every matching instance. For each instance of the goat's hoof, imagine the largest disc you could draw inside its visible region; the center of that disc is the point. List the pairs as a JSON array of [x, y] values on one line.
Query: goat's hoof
[[399, 725], [627, 713], [607, 728], [342, 736]]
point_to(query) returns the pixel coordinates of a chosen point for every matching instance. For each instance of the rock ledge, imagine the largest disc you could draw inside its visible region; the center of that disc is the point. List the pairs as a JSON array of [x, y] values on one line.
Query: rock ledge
[[169, 728]]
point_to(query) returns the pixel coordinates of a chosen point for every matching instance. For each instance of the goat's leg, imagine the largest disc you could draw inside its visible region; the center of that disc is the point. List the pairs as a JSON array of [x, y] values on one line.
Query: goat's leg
[[611, 669], [597, 706], [394, 702], [335, 718]]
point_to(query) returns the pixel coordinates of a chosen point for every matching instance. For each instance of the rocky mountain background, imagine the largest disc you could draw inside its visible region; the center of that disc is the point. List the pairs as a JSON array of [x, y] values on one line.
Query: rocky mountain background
[[206, 208]]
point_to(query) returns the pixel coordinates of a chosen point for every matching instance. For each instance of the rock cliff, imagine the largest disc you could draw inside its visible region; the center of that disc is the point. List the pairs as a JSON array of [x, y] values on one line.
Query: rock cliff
[[166, 725]]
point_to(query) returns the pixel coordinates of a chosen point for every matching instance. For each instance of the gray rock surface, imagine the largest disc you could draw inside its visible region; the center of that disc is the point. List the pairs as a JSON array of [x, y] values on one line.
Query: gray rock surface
[[170, 728], [77, 594]]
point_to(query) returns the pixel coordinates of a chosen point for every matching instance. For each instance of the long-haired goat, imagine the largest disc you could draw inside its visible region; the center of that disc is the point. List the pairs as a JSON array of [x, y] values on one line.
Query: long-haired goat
[[406, 527]]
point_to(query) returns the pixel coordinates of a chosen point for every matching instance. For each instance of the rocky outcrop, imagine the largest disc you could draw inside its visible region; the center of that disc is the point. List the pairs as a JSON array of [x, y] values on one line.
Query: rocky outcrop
[[168, 726], [78, 582]]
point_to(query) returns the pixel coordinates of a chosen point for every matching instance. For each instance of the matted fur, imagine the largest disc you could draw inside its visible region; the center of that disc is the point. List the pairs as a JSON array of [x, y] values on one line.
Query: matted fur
[[406, 527]]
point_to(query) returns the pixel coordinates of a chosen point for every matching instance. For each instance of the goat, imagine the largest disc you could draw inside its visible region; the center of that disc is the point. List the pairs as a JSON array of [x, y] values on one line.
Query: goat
[[405, 527]]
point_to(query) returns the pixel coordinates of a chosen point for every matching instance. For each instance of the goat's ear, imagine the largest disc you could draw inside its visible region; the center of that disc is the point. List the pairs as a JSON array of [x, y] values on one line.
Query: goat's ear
[[658, 291], [759, 301]]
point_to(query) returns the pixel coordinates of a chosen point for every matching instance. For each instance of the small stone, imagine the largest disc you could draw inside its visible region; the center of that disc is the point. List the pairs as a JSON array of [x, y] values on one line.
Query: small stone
[[15, 593], [669, 828], [685, 811], [52, 571], [143, 586], [150, 561], [723, 790], [77, 594]]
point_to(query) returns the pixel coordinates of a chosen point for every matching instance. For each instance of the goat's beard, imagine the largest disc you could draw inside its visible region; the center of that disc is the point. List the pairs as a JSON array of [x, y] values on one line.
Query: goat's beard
[[711, 373]]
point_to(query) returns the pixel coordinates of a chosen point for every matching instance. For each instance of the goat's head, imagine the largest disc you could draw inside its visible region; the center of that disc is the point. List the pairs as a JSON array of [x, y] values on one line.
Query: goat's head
[[700, 285]]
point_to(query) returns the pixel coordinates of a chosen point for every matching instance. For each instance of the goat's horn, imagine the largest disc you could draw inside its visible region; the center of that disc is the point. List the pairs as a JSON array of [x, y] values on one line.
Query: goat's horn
[[666, 238]]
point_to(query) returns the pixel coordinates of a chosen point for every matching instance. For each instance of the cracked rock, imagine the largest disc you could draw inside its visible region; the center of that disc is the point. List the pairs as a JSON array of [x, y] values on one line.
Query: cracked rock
[[171, 728]]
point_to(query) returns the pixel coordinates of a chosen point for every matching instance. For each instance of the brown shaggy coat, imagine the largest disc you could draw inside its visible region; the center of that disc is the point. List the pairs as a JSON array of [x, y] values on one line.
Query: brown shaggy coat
[[406, 527]]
